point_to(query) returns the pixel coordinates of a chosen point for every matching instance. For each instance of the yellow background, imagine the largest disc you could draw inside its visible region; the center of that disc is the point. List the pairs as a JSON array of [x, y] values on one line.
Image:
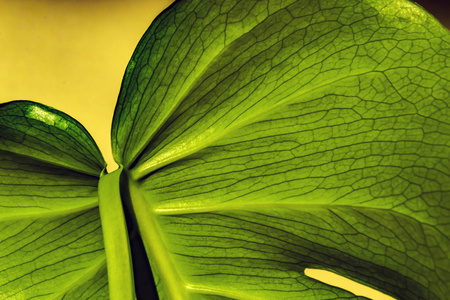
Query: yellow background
[[71, 55]]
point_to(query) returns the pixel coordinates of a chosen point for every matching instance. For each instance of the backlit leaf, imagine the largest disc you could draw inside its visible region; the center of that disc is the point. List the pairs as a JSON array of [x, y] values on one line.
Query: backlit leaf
[[261, 138], [50, 230]]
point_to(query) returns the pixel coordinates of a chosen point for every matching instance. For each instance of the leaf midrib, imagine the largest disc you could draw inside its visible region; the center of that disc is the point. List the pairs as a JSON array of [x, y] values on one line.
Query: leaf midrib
[[143, 169], [186, 90], [271, 206], [52, 213], [55, 163], [92, 270]]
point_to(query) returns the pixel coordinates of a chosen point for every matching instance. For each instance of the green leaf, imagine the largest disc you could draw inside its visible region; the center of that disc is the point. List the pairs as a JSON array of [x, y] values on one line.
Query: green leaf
[[50, 231], [43, 133], [261, 138]]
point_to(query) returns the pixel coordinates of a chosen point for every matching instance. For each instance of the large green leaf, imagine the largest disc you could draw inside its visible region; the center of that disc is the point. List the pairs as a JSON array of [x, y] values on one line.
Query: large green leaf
[[50, 230], [261, 138], [256, 139]]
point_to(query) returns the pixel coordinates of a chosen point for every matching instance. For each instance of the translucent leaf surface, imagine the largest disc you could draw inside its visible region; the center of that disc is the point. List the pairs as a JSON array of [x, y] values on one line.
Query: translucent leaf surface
[[264, 137], [50, 231], [41, 132]]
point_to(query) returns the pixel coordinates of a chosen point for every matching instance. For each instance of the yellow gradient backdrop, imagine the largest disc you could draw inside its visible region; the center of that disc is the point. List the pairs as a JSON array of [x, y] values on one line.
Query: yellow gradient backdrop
[[71, 55]]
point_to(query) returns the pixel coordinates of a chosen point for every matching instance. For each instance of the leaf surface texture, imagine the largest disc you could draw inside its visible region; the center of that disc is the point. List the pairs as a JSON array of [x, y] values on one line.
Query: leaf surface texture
[[266, 137], [50, 231]]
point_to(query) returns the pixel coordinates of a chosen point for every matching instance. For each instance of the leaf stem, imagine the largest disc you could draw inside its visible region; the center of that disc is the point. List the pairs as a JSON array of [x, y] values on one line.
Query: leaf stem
[[154, 244], [115, 236]]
